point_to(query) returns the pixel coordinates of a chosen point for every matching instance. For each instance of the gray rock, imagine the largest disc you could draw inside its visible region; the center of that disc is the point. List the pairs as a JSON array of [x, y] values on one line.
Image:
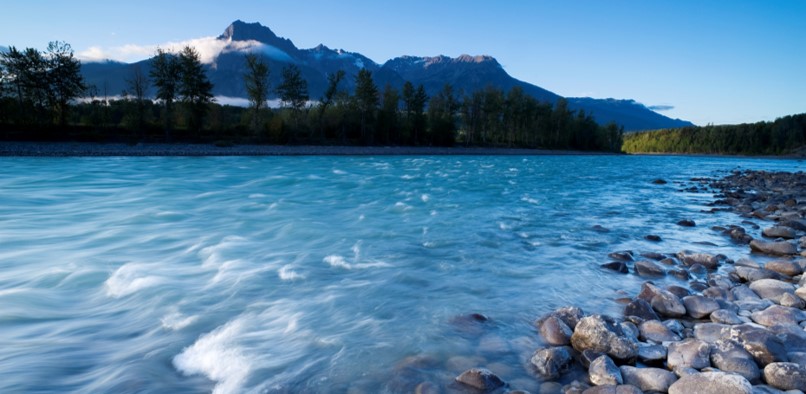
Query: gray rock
[[480, 379], [674, 325], [648, 379], [709, 332], [724, 316], [753, 305], [618, 266], [624, 255], [612, 389], [777, 315], [699, 307], [781, 248], [743, 292], [763, 345], [745, 262], [662, 301], [655, 331], [554, 331], [788, 268], [650, 354], [686, 223], [689, 258], [711, 383], [797, 224], [692, 353], [587, 356], [570, 315], [753, 274], [648, 268], [603, 371], [801, 291], [793, 301], [640, 308], [679, 291], [779, 232], [772, 289], [729, 356], [785, 376], [603, 334], [551, 362]]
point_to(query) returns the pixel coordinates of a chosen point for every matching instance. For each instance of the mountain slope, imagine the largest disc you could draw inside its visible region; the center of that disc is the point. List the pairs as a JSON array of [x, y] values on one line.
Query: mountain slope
[[465, 73]]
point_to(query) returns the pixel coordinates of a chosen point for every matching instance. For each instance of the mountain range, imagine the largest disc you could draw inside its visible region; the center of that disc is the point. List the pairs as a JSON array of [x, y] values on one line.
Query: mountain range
[[465, 73]]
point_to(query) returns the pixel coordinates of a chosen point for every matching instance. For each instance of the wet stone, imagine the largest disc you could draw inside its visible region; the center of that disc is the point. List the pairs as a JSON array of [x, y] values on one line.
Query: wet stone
[[624, 255], [554, 331], [686, 223], [763, 345], [711, 383], [642, 309], [655, 331], [724, 316], [777, 315], [480, 379], [772, 289], [649, 269], [793, 301], [690, 258], [651, 354], [788, 268], [781, 248], [551, 362], [617, 266], [699, 307], [729, 356], [648, 379], [680, 292], [693, 353], [653, 238], [603, 371], [603, 334], [779, 232], [786, 376]]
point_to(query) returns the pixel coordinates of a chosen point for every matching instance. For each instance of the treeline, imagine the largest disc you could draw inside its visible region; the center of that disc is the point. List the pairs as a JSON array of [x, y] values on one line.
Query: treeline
[[782, 136], [35, 104]]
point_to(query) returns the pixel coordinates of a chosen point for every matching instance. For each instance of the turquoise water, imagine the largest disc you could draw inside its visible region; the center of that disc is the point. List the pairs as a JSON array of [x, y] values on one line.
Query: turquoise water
[[318, 274]]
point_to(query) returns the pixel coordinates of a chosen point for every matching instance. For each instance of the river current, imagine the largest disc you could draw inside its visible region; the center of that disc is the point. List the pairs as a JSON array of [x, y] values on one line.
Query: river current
[[320, 274]]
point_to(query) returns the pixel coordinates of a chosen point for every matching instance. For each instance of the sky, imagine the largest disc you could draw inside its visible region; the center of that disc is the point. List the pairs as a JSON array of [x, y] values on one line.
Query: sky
[[709, 62]]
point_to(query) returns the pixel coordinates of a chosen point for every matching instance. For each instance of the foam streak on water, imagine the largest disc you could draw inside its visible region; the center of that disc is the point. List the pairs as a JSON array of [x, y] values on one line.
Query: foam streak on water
[[315, 274]]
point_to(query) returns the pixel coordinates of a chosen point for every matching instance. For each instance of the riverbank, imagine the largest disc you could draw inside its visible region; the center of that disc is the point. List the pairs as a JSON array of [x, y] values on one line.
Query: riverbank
[[736, 326], [81, 149]]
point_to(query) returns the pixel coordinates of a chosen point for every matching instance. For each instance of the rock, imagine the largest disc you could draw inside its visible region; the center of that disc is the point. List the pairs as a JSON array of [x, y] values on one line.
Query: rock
[[659, 182], [492, 343], [604, 371], [689, 258], [711, 383], [680, 292], [681, 274], [745, 262], [786, 376], [618, 266], [575, 387], [587, 356], [550, 388], [554, 331], [624, 255], [754, 274], [729, 356], [686, 223], [788, 268], [640, 308], [781, 248], [772, 289], [480, 379], [600, 229], [779, 232], [655, 331], [743, 292], [752, 305], [612, 389], [692, 353], [651, 353], [551, 362], [662, 301], [648, 268], [648, 379], [795, 224], [674, 325], [709, 332], [724, 316], [427, 388], [603, 334], [777, 315], [793, 301], [699, 307], [570, 315], [653, 238], [763, 345]]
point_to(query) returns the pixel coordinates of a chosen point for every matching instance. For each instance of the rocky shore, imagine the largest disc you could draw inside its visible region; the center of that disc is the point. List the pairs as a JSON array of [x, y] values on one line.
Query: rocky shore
[[87, 149], [735, 327]]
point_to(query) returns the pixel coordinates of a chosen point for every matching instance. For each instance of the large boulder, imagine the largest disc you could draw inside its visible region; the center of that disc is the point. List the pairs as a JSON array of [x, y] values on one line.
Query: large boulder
[[778, 315], [699, 307], [603, 371], [481, 379], [763, 345], [786, 376], [692, 353], [604, 334], [551, 362], [711, 383], [729, 356], [648, 379], [772, 289], [781, 248]]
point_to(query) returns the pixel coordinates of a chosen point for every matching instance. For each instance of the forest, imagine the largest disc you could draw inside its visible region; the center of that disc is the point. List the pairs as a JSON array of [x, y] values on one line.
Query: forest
[[782, 136], [44, 98]]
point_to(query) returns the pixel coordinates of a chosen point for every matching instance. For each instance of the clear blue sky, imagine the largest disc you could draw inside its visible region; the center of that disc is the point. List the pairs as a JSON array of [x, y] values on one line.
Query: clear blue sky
[[712, 61]]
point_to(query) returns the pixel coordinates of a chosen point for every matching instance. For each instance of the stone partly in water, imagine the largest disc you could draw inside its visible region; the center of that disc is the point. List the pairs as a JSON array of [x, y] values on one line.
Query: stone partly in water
[[555, 331], [653, 238], [786, 376], [782, 248], [648, 268], [692, 353], [686, 223], [711, 383], [603, 371], [604, 334], [642, 309], [779, 232], [617, 266], [689, 258], [480, 379], [551, 362], [648, 379]]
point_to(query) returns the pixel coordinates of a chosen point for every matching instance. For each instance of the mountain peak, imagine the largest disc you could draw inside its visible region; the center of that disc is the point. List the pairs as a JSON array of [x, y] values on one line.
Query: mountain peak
[[243, 31]]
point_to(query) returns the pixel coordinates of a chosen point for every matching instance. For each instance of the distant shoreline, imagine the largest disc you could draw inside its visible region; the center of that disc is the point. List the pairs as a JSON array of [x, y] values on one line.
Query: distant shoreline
[[90, 149]]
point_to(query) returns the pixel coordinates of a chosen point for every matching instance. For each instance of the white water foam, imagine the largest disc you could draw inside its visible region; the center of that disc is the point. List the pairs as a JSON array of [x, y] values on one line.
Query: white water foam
[[339, 262], [287, 274], [176, 321], [217, 356], [131, 278]]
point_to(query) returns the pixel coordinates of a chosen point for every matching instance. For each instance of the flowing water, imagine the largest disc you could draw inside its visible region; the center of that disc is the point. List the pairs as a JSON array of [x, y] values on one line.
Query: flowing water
[[318, 274]]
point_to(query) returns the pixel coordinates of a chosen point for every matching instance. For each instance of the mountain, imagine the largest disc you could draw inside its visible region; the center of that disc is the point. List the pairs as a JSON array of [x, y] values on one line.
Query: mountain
[[465, 73]]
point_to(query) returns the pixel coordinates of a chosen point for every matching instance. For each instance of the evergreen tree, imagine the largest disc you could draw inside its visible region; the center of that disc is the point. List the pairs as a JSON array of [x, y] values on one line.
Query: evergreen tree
[[331, 92], [195, 89], [442, 117], [256, 81], [165, 74], [388, 120], [367, 100], [64, 78], [293, 91]]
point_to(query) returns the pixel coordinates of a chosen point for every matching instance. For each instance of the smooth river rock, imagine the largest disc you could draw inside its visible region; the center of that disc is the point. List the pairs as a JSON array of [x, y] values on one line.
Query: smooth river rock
[[781, 248], [772, 289], [655, 331], [776, 315], [555, 331], [480, 379], [689, 258], [786, 376], [603, 371], [779, 232], [788, 268], [692, 353], [729, 356], [649, 269], [724, 316], [663, 302], [604, 334], [711, 383], [763, 345], [648, 379], [699, 307], [551, 362]]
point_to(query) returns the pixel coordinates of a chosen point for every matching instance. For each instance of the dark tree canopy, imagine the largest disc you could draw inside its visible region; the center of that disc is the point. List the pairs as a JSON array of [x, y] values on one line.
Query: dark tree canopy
[[256, 81], [195, 89], [165, 73]]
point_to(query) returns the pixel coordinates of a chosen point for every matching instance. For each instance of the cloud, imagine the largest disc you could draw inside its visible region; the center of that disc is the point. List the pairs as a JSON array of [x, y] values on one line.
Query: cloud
[[208, 47], [661, 108]]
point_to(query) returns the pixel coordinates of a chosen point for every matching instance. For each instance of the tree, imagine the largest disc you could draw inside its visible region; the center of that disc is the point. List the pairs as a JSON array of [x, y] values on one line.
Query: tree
[[256, 81], [293, 91], [64, 78], [388, 121], [442, 117], [414, 101], [165, 73], [367, 100], [138, 85], [332, 90], [195, 88]]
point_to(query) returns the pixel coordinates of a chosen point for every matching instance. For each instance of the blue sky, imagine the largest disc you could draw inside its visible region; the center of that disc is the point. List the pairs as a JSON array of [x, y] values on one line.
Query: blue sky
[[711, 61]]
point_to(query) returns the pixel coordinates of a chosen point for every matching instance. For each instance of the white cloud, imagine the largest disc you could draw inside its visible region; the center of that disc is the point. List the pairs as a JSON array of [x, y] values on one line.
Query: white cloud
[[208, 47]]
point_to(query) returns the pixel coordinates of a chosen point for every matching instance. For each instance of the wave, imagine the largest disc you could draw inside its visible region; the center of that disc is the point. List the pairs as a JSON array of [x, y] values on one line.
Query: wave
[[131, 278], [217, 356], [286, 273], [340, 262]]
